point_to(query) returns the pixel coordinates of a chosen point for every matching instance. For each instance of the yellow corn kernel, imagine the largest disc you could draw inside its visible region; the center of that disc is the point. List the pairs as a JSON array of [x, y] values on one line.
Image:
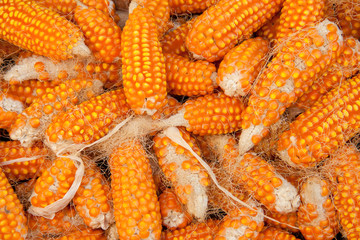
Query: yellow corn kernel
[[272, 233]]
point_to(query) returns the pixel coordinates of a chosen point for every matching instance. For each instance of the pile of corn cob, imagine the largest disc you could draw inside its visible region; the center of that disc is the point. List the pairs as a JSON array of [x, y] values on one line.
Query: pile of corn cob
[[179, 119]]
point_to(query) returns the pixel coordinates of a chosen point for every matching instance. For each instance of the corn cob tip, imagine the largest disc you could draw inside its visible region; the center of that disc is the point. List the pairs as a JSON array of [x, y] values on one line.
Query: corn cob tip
[[255, 133], [10, 104], [133, 4], [81, 50], [287, 197]]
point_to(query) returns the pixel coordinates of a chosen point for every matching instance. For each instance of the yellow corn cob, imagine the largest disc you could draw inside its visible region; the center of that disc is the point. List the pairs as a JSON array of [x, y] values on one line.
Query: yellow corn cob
[[104, 41], [86, 234], [107, 6], [172, 212], [144, 71], [323, 128], [269, 30], [306, 56], [347, 64], [28, 91], [297, 15], [195, 231], [188, 78], [93, 199], [256, 176], [22, 170], [190, 6], [316, 214], [64, 222], [136, 207], [272, 233], [10, 107], [210, 114], [88, 121], [169, 109], [288, 221], [174, 41], [241, 223], [160, 10], [241, 65], [225, 24], [40, 30], [348, 13], [184, 171], [13, 221], [54, 183], [64, 7], [30, 124], [108, 73]]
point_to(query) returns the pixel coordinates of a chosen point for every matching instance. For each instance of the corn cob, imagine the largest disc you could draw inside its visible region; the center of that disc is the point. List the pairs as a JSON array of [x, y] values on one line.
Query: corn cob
[[225, 24], [316, 214], [188, 78], [172, 212], [174, 41], [306, 56], [272, 233], [93, 199], [241, 223], [169, 109], [10, 107], [348, 13], [241, 65], [87, 234], [299, 14], [108, 73], [22, 170], [323, 128], [107, 6], [54, 183], [87, 122], [28, 91], [143, 66], [269, 30], [40, 30], [30, 124], [256, 176], [210, 114], [13, 221], [288, 221], [136, 207], [64, 7], [190, 6], [347, 65], [104, 41], [64, 222], [160, 10], [195, 231], [184, 171]]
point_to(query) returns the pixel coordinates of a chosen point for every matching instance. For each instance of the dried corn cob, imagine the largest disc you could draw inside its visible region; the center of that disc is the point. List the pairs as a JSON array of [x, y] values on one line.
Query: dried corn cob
[[172, 212], [30, 90], [64, 222], [210, 114], [107, 6], [143, 63], [184, 171], [348, 13], [225, 24], [104, 41], [257, 176], [269, 30], [195, 231], [13, 220], [288, 221], [188, 78], [18, 171], [87, 122], [108, 73], [136, 207], [63, 7], [306, 56], [93, 199], [40, 30], [30, 124], [323, 128], [241, 223], [169, 109], [10, 107], [272, 233], [316, 214], [297, 15], [174, 40], [54, 183], [190, 6], [343, 170], [87, 234], [347, 64], [241, 65]]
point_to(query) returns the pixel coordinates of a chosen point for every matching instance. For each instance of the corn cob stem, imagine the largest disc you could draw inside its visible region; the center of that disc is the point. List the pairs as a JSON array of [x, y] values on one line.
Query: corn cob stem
[[289, 74]]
